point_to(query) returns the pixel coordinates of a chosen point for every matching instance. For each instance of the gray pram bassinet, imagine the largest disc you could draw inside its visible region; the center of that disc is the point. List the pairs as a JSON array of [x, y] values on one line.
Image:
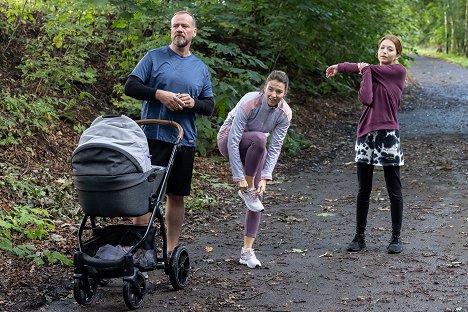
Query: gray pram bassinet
[[112, 169]]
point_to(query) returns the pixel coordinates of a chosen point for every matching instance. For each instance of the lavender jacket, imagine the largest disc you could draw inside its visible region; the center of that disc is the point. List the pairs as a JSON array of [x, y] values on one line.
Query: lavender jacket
[[252, 113]]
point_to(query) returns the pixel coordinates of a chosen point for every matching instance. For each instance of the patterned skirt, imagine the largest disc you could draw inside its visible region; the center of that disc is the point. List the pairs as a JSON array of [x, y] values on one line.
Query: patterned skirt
[[380, 148]]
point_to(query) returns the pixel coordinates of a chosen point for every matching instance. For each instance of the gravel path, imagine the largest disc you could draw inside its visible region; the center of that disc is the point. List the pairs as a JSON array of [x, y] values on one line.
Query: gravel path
[[309, 220]]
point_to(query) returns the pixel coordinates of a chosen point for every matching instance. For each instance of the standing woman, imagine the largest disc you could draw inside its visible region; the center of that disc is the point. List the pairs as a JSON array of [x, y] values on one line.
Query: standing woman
[[378, 136], [243, 140]]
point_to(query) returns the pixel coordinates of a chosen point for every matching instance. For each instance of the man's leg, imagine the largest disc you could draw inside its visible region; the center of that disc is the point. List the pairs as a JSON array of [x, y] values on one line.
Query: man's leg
[[175, 215]]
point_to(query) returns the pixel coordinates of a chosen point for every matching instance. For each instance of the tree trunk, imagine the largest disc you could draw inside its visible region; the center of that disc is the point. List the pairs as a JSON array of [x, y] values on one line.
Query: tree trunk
[[453, 43], [465, 41], [446, 32]]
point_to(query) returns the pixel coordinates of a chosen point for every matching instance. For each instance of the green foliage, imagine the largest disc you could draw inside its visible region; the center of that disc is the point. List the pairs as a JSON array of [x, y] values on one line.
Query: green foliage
[[295, 142], [240, 41], [199, 200], [460, 60], [23, 115], [440, 25], [206, 132], [28, 251], [79, 128], [33, 223], [127, 105], [55, 194]]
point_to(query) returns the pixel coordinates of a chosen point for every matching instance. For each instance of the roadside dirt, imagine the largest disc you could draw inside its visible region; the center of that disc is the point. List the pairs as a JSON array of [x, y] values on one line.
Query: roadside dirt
[[309, 220]]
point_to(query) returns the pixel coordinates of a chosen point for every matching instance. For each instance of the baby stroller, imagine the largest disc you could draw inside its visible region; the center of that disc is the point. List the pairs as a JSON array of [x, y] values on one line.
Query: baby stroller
[[113, 176]]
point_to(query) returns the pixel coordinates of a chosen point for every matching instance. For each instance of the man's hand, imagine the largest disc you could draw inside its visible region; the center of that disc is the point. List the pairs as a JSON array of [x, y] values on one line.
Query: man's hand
[[187, 99], [170, 99]]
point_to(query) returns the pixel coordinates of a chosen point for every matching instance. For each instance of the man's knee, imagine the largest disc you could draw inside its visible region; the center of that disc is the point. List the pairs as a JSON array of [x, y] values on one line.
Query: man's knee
[[175, 200]]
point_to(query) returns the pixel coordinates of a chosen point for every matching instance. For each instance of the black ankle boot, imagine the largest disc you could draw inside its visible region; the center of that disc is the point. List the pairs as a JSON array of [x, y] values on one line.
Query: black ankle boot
[[358, 243], [395, 246]]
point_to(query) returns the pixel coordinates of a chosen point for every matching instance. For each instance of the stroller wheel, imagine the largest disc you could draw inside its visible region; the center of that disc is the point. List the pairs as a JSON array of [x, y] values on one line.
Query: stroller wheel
[[84, 290], [179, 267], [134, 292]]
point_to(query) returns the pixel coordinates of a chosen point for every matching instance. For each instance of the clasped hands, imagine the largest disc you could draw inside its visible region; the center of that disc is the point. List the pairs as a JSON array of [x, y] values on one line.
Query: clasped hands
[[175, 101]]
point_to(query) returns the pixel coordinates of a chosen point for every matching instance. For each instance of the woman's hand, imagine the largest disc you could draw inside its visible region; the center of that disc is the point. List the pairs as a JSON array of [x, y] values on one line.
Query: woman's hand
[[361, 66], [261, 186], [331, 71], [243, 185]]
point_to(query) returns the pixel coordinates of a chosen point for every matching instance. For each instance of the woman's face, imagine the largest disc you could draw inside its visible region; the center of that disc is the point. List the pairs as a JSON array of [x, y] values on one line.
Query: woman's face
[[387, 53], [275, 91]]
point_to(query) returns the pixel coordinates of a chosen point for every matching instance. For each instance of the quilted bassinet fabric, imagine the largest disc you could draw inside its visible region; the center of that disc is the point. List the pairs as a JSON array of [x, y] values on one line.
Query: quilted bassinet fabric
[[120, 134]]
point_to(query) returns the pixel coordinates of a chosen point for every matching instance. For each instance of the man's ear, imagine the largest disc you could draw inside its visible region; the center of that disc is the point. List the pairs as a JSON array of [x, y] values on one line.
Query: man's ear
[[195, 32]]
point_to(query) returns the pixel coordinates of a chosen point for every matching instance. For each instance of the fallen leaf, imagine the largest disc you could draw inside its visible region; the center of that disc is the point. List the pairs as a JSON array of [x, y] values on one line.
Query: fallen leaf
[[296, 250], [327, 254], [326, 214], [208, 248]]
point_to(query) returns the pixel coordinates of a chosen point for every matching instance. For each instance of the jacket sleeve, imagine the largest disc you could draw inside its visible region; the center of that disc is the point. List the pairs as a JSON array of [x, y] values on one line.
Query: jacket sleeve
[[274, 148], [235, 135]]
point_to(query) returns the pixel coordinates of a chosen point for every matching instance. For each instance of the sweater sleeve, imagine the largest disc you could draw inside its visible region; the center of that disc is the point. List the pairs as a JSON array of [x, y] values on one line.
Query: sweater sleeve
[[383, 73], [365, 94], [348, 68]]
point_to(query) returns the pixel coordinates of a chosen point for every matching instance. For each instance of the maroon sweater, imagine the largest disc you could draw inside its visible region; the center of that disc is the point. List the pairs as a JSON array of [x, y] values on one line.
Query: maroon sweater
[[380, 94]]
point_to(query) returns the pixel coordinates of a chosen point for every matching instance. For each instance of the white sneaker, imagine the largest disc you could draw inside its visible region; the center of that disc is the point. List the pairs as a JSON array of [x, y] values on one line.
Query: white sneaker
[[251, 200], [248, 257]]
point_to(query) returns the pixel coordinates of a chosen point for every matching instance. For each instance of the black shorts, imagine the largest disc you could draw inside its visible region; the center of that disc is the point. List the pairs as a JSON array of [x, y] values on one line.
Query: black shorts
[[180, 178]]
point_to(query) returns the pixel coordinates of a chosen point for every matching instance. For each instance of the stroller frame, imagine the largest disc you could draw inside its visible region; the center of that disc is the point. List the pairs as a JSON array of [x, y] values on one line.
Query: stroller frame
[[89, 272]]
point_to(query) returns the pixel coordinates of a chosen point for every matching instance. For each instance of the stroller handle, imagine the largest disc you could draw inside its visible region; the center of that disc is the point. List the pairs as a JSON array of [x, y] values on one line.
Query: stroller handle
[[163, 122]]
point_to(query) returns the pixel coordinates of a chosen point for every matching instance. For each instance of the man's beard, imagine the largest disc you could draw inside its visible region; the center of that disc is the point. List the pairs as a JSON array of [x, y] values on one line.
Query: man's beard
[[180, 42]]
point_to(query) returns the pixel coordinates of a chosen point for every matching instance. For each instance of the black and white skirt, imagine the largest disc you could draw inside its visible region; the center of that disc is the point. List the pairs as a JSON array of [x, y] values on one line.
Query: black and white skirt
[[380, 148]]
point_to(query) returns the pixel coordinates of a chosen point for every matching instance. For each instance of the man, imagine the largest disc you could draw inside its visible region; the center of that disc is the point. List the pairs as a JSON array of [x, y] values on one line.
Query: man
[[174, 85]]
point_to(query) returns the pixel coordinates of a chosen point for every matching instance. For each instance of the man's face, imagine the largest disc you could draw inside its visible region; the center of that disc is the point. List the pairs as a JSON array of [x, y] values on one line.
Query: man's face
[[182, 30]]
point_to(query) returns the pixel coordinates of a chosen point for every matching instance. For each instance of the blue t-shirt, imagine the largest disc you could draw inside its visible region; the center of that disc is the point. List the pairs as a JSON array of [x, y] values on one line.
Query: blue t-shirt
[[164, 69]]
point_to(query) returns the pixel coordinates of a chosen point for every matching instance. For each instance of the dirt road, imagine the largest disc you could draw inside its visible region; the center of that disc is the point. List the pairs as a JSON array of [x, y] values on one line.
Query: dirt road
[[309, 220]]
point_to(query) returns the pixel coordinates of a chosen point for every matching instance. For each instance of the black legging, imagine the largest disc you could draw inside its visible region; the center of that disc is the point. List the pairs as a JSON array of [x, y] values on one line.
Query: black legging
[[392, 179]]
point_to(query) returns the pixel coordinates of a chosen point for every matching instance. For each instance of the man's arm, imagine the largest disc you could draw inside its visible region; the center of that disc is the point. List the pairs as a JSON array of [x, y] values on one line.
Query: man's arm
[[135, 88], [204, 106]]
